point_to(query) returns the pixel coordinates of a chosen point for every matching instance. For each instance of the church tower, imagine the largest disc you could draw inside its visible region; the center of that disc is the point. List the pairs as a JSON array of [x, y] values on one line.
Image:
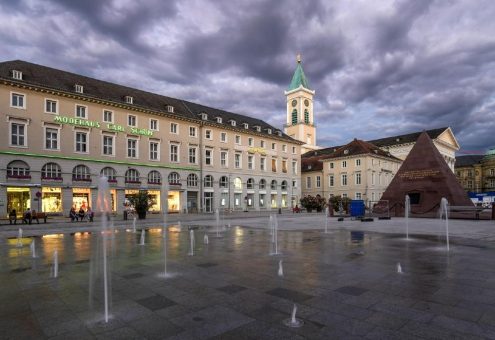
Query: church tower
[[300, 118]]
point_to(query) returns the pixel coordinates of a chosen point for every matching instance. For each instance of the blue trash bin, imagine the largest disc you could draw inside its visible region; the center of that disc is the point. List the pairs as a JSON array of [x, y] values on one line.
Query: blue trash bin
[[357, 208]]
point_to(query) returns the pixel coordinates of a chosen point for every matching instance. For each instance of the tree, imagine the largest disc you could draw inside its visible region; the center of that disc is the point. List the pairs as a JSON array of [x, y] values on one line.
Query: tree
[[334, 203], [141, 203]]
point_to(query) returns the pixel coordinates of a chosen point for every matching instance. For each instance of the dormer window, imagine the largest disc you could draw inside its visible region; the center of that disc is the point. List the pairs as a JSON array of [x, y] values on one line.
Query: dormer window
[[246, 126], [17, 74], [129, 99], [279, 133], [232, 122], [346, 152], [219, 120], [170, 108], [204, 116], [78, 88], [269, 131], [258, 128]]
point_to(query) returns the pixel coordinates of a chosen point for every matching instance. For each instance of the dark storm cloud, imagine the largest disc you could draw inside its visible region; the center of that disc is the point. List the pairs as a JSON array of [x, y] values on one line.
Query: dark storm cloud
[[394, 66], [124, 24]]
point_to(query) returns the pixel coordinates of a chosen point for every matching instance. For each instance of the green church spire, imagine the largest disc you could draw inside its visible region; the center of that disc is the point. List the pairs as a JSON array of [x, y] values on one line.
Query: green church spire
[[299, 78]]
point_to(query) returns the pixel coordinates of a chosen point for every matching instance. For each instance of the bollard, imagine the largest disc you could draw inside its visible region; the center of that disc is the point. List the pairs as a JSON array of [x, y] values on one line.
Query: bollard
[[493, 211], [125, 215], [279, 211]]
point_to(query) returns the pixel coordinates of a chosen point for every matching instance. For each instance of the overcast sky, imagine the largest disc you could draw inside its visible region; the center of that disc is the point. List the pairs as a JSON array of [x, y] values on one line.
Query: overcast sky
[[379, 68]]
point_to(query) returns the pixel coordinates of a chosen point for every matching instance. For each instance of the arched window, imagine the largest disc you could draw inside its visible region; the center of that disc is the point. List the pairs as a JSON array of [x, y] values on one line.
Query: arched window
[[208, 181], [81, 173], [132, 176], [109, 173], [192, 180], [262, 184], [283, 185], [224, 182], [174, 178], [237, 184], [154, 177], [306, 116], [273, 186], [18, 169], [294, 117], [250, 183], [51, 171]]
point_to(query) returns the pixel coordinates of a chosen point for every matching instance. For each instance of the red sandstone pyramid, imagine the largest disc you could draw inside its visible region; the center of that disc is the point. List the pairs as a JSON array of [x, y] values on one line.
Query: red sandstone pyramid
[[426, 178]]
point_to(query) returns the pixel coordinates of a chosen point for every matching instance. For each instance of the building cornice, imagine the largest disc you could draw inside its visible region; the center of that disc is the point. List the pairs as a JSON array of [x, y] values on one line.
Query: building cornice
[[104, 161]]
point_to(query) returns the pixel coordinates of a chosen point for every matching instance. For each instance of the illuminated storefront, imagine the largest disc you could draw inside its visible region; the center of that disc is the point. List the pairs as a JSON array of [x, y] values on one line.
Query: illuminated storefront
[[274, 200], [113, 199], [18, 199], [81, 198], [154, 197], [51, 199], [284, 200], [174, 201]]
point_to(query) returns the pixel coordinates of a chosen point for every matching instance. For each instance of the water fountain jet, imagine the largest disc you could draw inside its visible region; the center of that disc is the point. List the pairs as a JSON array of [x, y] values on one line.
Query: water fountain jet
[[294, 322], [444, 211], [407, 211]]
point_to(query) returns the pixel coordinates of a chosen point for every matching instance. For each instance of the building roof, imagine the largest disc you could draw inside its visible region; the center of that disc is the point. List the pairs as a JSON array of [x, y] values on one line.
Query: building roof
[[354, 148], [382, 142], [467, 160], [47, 77], [299, 78], [407, 138]]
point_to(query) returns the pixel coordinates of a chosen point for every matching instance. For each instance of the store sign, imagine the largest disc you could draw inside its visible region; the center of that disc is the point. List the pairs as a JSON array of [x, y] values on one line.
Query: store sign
[[98, 125], [261, 151]]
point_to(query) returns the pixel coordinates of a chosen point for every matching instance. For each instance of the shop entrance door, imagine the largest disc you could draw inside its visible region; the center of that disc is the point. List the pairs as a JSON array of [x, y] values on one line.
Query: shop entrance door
[[192, 201], [208, 202]]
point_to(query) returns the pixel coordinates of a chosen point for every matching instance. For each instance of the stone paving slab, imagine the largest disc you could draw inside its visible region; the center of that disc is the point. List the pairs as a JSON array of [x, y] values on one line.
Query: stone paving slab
[[345, 285]]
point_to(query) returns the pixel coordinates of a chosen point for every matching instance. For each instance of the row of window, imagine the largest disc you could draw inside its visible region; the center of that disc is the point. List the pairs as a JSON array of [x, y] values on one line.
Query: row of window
[[81, 145], [344, 180], [53, 171], [18, 100], [81, 111], [357, 162]]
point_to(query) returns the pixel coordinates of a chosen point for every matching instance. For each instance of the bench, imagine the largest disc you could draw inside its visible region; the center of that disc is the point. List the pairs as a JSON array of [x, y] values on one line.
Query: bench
[[37, 217], [460, 208]]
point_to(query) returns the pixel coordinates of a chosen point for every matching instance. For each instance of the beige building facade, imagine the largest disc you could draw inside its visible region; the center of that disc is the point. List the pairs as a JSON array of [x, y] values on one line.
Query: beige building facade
[[476, 173], [358, 170], [63, 131]]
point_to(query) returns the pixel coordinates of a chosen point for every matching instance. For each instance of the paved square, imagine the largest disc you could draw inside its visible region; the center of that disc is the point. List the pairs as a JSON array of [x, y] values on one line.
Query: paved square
[[345, 284]]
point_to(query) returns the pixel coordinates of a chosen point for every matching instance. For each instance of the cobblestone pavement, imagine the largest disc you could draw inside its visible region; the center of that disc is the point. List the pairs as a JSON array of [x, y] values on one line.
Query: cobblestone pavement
[[345, 283]]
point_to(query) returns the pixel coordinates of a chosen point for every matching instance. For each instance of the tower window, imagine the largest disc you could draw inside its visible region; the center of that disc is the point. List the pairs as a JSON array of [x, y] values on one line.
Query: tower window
[[306, 116], [294, 117]]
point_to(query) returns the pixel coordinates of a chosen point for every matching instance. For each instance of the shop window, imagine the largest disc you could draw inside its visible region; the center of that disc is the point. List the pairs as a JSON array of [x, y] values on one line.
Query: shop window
[[51, 199]]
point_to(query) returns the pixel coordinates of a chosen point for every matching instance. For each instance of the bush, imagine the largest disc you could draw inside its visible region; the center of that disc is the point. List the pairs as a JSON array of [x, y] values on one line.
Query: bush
[[313, 202], [335, 200]]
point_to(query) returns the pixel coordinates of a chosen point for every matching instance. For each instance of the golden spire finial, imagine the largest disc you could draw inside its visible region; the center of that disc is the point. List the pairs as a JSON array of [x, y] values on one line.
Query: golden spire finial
[[298, 57]]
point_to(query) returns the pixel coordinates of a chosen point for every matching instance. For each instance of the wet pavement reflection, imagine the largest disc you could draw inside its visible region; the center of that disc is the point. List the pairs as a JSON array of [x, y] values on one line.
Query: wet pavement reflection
[[345, 283]]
